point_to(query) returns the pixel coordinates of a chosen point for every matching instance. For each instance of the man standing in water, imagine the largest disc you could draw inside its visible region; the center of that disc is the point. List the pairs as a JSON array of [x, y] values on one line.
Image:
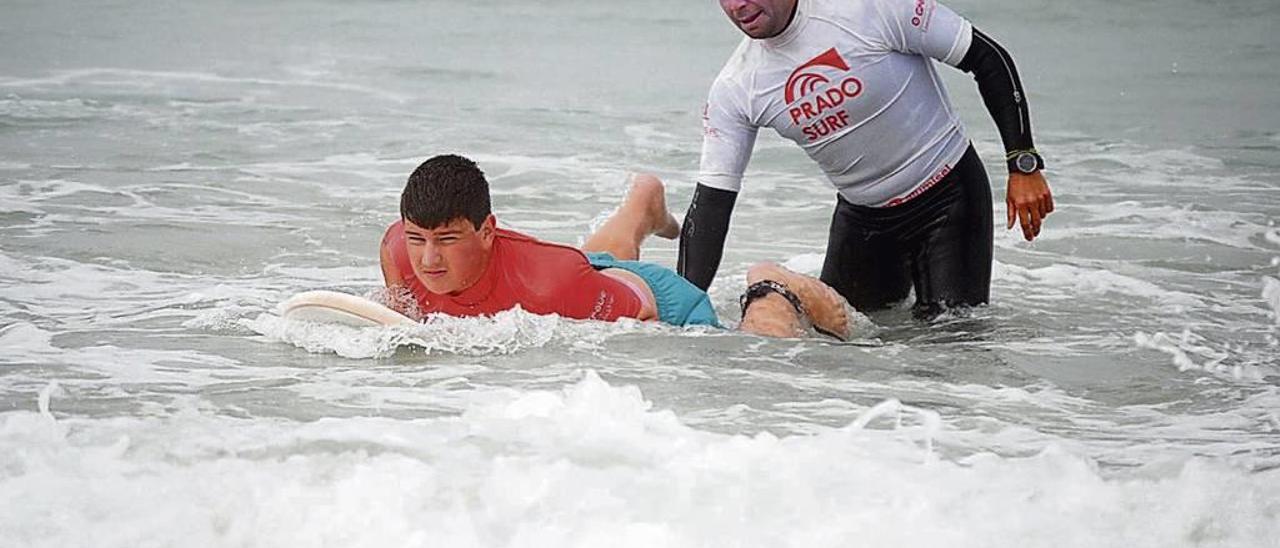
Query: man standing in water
[[853, 83], [447, 251]]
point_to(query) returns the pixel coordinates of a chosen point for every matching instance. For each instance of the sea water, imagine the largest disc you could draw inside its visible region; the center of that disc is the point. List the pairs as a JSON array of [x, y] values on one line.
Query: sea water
[[171, 171]]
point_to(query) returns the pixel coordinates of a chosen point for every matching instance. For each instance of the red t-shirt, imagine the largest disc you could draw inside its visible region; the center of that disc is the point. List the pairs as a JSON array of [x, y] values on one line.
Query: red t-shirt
[[541, 277]]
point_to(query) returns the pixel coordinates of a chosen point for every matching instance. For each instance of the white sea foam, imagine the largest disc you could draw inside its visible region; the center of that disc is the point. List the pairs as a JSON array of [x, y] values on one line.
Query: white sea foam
[[1184, 349], [151, 79], [588, 465], [1145, 221], [97, 296], [41, 191], [1072, 281], [27, 344], [41, 196], [36, 109], [806, 263], [1271, 296], [504, 333]]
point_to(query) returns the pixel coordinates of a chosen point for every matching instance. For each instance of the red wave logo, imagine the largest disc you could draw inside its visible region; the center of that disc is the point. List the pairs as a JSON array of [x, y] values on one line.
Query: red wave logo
[[802, 83]]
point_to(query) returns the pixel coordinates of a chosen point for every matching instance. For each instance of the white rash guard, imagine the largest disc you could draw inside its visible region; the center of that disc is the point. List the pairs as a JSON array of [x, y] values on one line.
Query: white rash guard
[[851, 82]]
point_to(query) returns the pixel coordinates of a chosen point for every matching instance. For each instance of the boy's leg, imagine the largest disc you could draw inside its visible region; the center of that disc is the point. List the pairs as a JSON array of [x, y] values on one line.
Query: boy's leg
[[643, 212], [772, 315]]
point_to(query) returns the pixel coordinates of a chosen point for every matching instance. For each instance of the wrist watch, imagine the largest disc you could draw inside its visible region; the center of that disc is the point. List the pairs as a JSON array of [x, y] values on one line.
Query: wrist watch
[[1024, 161]]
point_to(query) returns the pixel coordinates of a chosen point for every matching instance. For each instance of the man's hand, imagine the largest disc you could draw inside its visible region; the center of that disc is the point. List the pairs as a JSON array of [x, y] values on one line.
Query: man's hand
[[1029, 200]]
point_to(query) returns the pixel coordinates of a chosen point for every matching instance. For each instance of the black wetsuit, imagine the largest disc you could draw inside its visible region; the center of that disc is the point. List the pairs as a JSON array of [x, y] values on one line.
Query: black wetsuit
[[939, 242]]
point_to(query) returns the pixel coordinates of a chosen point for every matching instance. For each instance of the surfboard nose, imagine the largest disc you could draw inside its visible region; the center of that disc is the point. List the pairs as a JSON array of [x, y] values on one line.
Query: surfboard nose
[[333, 307]]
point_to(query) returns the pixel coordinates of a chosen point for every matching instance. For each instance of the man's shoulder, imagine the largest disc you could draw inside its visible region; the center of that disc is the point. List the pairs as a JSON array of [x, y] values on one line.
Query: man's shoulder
[[855, 17], [744, 59], [847, 8], [835, 20]]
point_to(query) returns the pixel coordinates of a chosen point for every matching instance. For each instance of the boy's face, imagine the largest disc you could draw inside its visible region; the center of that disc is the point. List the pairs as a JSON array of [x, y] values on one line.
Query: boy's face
[[451, 257]]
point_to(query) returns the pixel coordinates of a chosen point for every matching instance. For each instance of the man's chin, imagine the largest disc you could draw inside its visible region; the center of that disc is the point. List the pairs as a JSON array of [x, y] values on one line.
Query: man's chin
[[756, 32]]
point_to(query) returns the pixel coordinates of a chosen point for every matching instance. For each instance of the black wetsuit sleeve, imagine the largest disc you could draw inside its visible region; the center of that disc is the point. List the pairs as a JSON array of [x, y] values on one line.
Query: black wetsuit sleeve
[[1001, 90], [702, 236]]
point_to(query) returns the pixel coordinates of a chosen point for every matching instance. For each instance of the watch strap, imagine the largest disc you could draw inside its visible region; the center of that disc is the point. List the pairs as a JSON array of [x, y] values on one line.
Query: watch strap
[[1012, 157]]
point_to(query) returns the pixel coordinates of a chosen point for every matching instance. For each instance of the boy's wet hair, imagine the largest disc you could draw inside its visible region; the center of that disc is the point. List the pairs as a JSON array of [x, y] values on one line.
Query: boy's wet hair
[[445, 188]]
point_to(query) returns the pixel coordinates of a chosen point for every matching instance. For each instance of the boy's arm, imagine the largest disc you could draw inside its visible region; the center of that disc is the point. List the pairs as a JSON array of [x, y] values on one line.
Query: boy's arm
[[390, 274], [399, 295]]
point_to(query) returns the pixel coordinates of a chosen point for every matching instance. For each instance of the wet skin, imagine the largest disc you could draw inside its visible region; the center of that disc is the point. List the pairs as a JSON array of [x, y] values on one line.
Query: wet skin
[[451, 257], [759, 18]]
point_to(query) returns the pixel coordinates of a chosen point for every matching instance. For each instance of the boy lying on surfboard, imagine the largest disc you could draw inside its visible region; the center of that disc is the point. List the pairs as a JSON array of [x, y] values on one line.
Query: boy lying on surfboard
[[447, 251]]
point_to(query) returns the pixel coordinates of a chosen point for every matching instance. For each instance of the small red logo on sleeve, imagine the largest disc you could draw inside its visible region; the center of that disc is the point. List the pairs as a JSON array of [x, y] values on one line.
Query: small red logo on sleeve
[[707, 128], [922, 14]]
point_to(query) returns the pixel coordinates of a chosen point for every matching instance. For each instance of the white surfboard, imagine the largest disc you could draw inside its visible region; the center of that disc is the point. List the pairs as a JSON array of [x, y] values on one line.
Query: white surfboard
[[333, 307]]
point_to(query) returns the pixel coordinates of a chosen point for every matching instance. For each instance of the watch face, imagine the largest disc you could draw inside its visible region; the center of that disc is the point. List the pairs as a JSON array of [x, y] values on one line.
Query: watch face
[[1026, 162]]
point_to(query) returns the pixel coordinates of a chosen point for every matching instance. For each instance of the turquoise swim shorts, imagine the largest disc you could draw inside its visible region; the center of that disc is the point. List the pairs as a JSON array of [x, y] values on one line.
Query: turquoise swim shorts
[[679, 302]]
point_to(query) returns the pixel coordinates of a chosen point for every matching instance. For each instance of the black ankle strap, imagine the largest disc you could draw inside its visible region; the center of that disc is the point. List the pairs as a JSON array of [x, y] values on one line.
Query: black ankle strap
[[765, 287]]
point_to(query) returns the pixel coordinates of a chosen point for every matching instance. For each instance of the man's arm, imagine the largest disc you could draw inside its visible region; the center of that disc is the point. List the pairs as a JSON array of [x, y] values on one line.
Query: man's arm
[[703, 233], [992, 67], [727, 140], [1028, 197], [925, 27]]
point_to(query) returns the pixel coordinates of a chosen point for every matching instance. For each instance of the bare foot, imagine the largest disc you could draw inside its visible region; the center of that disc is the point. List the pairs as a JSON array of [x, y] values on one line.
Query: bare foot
[[643, 212], [825, 306], [649, 190]]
